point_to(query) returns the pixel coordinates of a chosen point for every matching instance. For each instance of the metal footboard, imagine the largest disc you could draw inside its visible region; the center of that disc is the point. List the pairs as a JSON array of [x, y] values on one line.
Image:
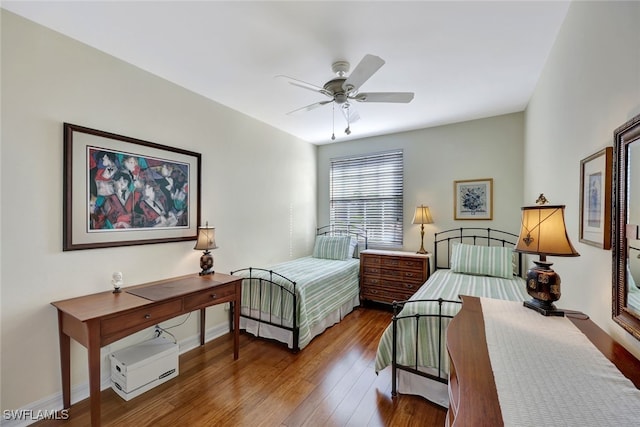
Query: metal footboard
[[279, 289], [414, 318]]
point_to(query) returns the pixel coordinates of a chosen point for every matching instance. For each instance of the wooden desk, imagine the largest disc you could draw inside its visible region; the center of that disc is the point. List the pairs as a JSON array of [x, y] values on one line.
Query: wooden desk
[[473, 397], [99, 319]]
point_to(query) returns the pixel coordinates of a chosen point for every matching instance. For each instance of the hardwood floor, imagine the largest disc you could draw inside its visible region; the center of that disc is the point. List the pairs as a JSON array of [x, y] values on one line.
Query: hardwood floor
[[329, 383]]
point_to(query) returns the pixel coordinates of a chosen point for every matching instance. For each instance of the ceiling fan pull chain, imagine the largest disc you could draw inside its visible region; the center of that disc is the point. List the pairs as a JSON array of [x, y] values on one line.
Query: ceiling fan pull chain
[[333, 121], [348, 129]]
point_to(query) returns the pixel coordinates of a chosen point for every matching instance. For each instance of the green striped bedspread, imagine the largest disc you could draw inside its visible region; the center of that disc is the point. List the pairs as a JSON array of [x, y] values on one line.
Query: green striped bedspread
[[322, 287], [446, 285]]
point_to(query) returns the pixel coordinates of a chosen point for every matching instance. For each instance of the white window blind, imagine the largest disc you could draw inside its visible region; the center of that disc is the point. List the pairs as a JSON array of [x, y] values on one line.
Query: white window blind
[[367, 191]]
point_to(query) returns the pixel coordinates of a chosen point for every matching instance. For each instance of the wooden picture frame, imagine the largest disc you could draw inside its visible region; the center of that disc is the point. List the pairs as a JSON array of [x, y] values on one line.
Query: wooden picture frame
[[122, 191], [595, 198], [473, 199]]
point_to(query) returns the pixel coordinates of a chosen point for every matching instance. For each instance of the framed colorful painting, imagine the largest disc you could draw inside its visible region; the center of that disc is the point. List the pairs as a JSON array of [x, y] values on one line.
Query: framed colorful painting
[[473, 199], [122, 191], [595, 199]]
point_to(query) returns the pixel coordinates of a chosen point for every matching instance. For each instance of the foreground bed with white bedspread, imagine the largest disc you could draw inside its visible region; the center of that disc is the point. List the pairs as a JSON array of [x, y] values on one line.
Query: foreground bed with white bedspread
[[419, 363]]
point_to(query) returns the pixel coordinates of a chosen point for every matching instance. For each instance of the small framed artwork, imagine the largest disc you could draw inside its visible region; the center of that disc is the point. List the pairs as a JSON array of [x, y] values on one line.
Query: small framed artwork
[[473, 199], [595, 199], [121, 191]]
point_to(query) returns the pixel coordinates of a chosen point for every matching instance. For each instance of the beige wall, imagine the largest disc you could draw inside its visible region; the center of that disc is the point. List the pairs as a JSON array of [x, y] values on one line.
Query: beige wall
[[433, 159], [590, 85], [258, 189]]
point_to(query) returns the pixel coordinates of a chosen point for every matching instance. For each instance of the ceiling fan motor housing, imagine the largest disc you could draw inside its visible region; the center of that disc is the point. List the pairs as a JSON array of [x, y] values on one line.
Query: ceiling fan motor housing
[[335, 87]]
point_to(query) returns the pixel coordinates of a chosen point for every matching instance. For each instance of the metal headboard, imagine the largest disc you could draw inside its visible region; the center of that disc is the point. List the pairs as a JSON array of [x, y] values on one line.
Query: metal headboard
[[473, 236], [344, 229]]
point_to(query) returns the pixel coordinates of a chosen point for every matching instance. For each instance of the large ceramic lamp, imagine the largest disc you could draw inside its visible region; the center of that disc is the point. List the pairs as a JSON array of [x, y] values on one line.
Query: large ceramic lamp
[[422, 216], [544, 233], [206, 241]]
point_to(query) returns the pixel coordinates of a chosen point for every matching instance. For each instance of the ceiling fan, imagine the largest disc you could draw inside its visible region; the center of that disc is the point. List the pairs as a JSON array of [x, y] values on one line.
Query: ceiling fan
[[343, 89]]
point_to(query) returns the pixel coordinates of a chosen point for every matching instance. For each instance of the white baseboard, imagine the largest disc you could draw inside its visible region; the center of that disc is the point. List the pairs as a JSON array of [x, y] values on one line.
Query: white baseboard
[[52, 406]]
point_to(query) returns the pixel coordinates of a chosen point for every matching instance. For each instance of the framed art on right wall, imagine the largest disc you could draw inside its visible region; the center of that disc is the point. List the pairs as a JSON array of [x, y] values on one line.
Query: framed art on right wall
[[595, 199]]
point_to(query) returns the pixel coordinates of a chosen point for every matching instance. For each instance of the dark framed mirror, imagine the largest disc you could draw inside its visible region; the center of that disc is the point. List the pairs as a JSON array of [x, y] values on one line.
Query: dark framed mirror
[[626, 234]]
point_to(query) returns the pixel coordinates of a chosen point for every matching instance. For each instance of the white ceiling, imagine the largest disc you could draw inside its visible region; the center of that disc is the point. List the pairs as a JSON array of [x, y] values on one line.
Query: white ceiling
[[463, 60]]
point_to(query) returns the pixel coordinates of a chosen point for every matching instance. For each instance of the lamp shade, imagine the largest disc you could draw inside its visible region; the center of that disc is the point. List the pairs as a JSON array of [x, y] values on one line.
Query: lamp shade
[[206, 238], [543, 232], [422, 215]]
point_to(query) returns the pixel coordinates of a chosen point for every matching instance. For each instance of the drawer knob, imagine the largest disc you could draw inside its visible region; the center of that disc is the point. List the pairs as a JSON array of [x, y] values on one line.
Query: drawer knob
[[147, 316], [213, 296]]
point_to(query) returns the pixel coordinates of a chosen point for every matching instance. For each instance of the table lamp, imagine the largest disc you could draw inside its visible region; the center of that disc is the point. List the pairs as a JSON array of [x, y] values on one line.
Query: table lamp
[[544, 233], [206, 240], [422, 216]]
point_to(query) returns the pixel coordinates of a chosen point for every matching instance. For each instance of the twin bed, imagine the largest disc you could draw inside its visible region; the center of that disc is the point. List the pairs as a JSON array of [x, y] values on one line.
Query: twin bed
[[294, 301], [468, 261]]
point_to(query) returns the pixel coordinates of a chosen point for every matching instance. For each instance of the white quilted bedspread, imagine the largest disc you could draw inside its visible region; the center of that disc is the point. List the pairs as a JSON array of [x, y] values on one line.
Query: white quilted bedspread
[[550, 374]]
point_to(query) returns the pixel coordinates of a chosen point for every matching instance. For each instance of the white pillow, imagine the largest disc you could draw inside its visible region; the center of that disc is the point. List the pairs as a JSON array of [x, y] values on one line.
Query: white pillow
[[332, 247], [495, 261]]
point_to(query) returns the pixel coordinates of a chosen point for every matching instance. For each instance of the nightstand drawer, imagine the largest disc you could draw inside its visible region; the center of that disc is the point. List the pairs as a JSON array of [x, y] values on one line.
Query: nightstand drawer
[[403, 263], [402, 275], [398, 275], [391, 286], [219, 294], [138, 318], [380, 295]]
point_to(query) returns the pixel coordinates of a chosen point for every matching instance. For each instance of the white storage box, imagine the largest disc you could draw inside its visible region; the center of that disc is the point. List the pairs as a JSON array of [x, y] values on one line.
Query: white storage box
[[141, 367]]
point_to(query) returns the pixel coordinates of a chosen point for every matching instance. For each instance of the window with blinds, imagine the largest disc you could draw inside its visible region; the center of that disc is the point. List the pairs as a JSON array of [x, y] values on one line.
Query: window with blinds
[[367, 191]]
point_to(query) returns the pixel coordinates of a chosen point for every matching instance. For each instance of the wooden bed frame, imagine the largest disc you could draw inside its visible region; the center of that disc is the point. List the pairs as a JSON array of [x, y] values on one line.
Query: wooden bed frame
[[442, 251], [289, 286]]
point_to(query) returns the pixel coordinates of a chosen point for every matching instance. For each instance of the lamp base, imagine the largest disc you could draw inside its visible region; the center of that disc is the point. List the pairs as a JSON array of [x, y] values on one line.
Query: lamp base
[[206, 263], [422, 250], [545, 308], [543, 285]]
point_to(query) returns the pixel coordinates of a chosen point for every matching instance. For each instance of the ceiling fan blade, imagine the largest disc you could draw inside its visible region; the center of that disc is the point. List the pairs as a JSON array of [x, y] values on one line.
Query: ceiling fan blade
[[363, 71], [304, 85], [311, 106], [402, 97]]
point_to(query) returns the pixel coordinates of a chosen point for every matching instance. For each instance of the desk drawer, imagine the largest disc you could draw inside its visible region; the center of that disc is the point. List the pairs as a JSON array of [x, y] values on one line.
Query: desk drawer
[[140, 318], [216, 295]]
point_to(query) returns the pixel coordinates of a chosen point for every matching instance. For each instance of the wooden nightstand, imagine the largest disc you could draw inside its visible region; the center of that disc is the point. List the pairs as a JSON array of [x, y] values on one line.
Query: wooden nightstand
[[388, 276]]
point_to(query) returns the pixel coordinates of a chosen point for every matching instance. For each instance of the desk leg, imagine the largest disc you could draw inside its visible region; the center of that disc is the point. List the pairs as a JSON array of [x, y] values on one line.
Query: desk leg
[[93, 350], [65, 363], [235, 306], [202, 325]]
